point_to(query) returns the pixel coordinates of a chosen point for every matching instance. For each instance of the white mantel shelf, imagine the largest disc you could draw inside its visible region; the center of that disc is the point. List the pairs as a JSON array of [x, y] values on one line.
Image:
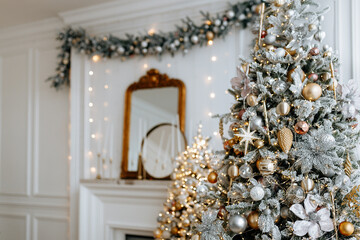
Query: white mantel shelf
[[110, 209]]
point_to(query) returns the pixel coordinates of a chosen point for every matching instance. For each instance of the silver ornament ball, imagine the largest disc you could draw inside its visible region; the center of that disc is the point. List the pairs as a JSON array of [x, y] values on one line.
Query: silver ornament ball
[[257, 193], [256, 123], [246, 171], [319, 36], [216, 163], [280, 52], [270, 39], [237, 223], [202, 190]]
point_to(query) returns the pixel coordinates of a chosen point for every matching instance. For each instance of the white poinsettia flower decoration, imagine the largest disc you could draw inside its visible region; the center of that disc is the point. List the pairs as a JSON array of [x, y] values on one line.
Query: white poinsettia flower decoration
[[312, 222], [351, 95]]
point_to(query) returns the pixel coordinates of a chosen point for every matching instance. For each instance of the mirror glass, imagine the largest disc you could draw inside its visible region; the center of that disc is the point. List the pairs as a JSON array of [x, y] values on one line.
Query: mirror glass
[[149, 108]]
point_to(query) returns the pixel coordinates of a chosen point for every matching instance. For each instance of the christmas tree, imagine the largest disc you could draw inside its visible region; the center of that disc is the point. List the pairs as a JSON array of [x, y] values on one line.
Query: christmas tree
[[288, 169], [182, 209]]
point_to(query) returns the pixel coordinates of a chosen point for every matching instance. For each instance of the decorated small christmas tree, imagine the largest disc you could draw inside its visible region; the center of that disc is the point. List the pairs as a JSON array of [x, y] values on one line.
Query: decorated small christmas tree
[[181, 209], [288, 169]]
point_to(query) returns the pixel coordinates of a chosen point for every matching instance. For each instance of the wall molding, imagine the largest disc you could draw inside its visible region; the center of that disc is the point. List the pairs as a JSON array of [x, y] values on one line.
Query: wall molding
[[37, 217]]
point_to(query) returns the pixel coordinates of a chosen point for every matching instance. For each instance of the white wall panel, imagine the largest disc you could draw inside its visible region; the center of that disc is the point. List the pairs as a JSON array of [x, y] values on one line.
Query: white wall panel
[[53, 228], [13, 227], [14, 124], [51, 130]]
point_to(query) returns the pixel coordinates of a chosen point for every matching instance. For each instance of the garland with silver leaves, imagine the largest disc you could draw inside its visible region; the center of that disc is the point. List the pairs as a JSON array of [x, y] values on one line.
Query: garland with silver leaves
[[180, 40]]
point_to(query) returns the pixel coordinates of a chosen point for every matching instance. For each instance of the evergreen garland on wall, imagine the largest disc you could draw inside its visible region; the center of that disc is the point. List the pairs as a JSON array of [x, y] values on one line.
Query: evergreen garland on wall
[[182, 39]]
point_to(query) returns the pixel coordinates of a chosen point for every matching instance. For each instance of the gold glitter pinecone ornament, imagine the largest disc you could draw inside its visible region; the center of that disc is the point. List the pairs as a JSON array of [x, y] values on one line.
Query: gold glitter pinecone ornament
[[285, 138]]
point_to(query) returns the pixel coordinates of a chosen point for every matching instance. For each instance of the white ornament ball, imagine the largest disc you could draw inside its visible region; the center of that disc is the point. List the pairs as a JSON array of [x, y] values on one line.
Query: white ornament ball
[[237, 223], [194, 39], [202, 190], [319, 36], [216, 163], [166, 234], [230, 14], [280, 52], [257, 193], [270, 39]]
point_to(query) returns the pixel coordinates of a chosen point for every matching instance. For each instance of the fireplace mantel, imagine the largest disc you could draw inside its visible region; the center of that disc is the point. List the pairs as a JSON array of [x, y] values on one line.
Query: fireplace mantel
[[110, 209]]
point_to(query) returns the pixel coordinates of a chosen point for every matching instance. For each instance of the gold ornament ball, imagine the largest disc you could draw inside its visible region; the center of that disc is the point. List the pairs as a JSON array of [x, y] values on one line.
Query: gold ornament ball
[[186, 222], [209, 35], [258, 9], [307, 184], [174, 230], [283, 108], [346, 228], [233, 171], [333, 84], [279, 3], [259, 143], [312, 91], [212, 177], [182, 232], [266, 166], [325, 76], [290, 72], [252, 100], [178, 206], [253, 220], [157, 233]]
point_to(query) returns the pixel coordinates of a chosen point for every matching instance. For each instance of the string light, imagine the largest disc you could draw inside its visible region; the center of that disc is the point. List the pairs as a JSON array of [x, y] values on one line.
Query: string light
[[106, 86], [90, 89], [91, 104], [90, 153], [226, 92], [95, 58], [209, 78], [212, 95], [93, 136], [93, 170], [106, 104], [209, 114], [91, 120], [146, 66], [91, 73], [213, 58], [169, 65], [210, 42], [216, 133], [151, 31]]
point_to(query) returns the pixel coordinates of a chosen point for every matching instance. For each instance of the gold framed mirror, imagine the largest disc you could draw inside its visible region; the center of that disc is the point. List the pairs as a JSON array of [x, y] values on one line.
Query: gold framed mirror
[[155, 99]]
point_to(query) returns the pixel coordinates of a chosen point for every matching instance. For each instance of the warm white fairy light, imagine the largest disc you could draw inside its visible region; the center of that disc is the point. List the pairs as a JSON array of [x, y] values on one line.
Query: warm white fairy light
[[215, 133], [93, 136], [209, 114], [213, 58], [90, 153], [209, 78], [146, 65], [169, 65], [69, 157], [151, 31], [91, 73], [210, 42], [95, 58], [90, 89], [106, 86], [93, 170], [91, 120], [212, 95], [226, 91], [91, 104]]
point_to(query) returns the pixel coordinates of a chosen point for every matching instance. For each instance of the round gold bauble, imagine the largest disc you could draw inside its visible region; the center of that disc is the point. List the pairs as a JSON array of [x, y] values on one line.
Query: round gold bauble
[[174, 230], [233, 171], [290, 72], [182, 232], [259, 143], [157, 233], [283, 108], [258, 9], [312, 91], [209, 35], [253, 220], [325, 76], [307, 184], [178, 206], [346, 228], [333, 84], [212, 177], [252, 100], [266, 166], [279, 3], [186, 222]]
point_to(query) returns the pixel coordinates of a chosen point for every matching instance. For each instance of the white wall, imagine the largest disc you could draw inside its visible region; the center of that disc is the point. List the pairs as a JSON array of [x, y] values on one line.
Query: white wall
[[36, 176]]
